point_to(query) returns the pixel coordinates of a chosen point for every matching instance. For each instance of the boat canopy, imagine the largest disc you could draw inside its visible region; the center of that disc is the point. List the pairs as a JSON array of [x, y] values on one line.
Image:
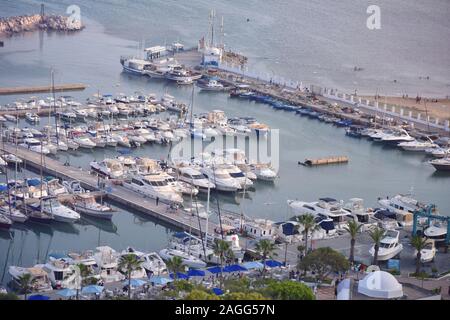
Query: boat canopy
[[327, 225], [34, 182]]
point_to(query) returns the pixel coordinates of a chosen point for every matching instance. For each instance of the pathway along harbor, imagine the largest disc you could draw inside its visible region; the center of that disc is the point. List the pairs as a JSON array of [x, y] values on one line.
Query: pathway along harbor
[[126, 123]]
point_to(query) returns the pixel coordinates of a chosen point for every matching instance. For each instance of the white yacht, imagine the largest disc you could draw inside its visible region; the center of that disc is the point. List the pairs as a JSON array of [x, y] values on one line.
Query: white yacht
[[154, 186], [390, 246], [195, 177], [441, 164], [402, 205], [436, 232], [12, 159], [12, 213], [151, 262], [193, 246], [397, 137], [264, 172], [85, 203], [40, 281], [138, 272], [428, 253], [188, 260], [85, 142], [35, 145], [238, 175], [181, 186], [122, 140], [111, 168], [419, 146], [60, 273], [325, 206], [55, 188], [59, 212], [32, 117], [221, 179], [107, 260]]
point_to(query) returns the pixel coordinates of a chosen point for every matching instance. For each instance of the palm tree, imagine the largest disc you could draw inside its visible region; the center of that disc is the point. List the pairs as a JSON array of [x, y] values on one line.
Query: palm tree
[[376, 235], [84, 272], [129, 263], [309, 225], [26, 281], [353, 229], [222, 249], [419, 244], [175, 265], [266, 249]]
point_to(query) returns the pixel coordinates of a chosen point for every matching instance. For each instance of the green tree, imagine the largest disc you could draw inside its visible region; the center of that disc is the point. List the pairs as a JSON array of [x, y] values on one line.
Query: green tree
[[201, 295], [129, 263], [419, 244], [289, 290], [26, 281], [8, 296], [244, 296], [175, 265], [237, 285], [222, 249], [353, 229], [85, 272], [376, 235], [266, 249], [323, 261], [309, 226]]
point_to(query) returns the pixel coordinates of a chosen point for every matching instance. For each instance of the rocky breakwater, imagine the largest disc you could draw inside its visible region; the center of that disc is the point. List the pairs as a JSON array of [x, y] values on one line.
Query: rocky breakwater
[[19, 24]]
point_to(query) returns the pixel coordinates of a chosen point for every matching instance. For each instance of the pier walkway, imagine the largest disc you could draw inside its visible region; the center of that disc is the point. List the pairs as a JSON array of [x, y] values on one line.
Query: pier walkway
[[117, 194], [42, 89]]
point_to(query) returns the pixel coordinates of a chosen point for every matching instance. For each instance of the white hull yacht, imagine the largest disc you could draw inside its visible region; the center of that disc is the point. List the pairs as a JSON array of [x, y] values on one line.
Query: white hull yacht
[[390, 246]]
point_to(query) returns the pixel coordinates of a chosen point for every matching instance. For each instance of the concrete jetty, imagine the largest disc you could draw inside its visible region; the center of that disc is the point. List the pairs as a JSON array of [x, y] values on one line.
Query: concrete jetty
[[42, 89]]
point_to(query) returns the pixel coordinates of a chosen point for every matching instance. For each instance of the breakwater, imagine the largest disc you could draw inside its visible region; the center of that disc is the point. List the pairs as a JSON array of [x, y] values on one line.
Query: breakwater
[[26, 23]]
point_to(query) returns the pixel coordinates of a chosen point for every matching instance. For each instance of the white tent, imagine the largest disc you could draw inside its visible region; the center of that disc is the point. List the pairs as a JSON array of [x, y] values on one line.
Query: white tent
[[380, 284]]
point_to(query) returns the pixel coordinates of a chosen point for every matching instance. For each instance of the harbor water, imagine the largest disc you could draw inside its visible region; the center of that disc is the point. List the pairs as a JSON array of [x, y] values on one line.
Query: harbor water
[[92, 57]]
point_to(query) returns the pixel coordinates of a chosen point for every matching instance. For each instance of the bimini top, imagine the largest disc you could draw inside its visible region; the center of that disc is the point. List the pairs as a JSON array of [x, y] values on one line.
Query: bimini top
[[380, 284]]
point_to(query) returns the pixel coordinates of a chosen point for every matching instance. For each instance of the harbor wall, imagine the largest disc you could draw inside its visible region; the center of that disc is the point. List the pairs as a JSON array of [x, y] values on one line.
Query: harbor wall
[[19, 24]]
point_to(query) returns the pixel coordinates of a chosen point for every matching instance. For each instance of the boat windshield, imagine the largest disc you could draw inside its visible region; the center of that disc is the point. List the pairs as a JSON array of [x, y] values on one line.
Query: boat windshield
[[237, 175], [160, 183], [222, 175]]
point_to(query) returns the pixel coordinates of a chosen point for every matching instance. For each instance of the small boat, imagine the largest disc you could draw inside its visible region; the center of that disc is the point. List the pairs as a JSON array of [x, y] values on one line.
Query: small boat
[[264, 172], [85, 142], [35, 145], [32, 117], [390, 246], [86, 204], [151, 262], [40, 281], [441, 164], [53, 207], [10, 118], [111, 168], [12, 213], [188, 260], [436, 232]]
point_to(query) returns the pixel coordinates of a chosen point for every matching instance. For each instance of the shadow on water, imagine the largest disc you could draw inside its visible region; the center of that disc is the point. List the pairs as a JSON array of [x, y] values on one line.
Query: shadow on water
[[440, 175], [104, 225]]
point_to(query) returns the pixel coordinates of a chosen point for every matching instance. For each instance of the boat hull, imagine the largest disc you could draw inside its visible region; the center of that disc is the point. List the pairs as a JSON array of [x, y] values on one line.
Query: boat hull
[[105, 215]]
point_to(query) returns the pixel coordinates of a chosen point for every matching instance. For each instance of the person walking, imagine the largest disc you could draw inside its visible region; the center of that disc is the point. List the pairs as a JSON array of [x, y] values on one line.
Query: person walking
[[157, 201]]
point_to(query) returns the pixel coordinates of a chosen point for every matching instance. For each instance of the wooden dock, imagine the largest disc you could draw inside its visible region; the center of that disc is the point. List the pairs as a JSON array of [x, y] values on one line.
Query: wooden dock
[[42, 89], [116, 194]]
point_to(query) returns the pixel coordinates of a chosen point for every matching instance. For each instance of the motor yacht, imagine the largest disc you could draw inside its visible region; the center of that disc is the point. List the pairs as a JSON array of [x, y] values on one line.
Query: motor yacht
[[12, 159], [397, 137], [418, 146], [181, 186], [32, 117], [61, 273], [59, 212], [185, 242], [441, 164], [107, 262], [428, 253], [111, 168], [390, 246], [85, 142], [436, 232], [12, 213], [238, 175], [188, 260], [40, 281], [195, 177], [403, 206], [154, 186], [151, 262], [86, 204], [221, 179], [139, 272], [263, 172], [35, 145], [55, 188]]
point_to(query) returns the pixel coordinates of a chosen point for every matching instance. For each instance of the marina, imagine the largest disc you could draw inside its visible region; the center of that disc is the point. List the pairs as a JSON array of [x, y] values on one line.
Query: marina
[[165, 152]]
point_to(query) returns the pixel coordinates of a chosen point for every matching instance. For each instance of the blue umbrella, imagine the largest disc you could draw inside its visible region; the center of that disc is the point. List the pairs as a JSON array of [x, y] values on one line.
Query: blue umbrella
[[3, 187], [67, 293], [135, 282], [253, 265], [38, 297], [218, 291], [234, 268], [214, 270], [273, 264], [196, 273], [92, 289], [157, 280], [180, 276]]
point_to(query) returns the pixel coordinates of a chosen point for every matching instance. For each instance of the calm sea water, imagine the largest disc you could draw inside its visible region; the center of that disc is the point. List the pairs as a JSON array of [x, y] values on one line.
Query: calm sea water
[[317, 42]]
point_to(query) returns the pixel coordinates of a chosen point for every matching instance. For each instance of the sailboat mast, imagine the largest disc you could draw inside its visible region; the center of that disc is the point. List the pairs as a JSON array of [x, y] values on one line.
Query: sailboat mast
[[54, 107]]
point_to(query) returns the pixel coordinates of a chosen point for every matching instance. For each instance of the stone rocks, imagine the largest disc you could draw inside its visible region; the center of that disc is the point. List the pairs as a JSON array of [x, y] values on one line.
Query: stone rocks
[[20, 24]]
